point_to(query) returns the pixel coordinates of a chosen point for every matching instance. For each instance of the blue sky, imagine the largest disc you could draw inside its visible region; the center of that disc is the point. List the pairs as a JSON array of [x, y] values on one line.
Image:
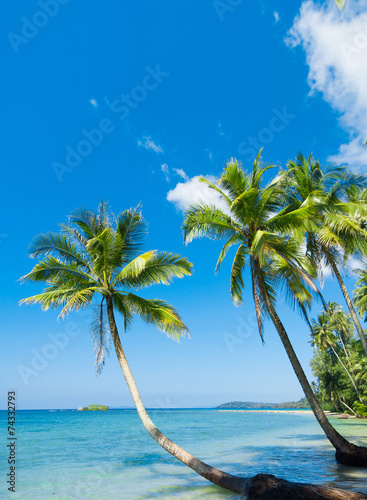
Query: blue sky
[[130, 102]]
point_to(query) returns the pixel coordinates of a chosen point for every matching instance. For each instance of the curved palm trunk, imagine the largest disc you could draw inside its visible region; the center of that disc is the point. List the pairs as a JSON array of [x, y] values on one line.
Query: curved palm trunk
[[346, 453], [348, 300], [334, 402], [346, 354], [259, 487], [347, 372], [349, 408], [216, 476]]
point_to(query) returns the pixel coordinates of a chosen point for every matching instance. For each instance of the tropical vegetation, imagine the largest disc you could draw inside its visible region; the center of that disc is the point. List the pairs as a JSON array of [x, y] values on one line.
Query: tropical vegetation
[[339, 364], [281, 237], [95, 408]]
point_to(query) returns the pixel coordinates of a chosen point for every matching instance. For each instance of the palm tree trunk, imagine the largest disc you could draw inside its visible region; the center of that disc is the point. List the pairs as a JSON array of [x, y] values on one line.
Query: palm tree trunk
[[346, 452], [259, 487], [349, 408], [347, 372], [346, 354], [348, 300], [334, 402], [216, 476]]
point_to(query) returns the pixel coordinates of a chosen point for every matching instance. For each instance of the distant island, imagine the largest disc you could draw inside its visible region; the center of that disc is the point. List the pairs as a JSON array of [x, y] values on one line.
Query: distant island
[[94, 408], [302, 404]]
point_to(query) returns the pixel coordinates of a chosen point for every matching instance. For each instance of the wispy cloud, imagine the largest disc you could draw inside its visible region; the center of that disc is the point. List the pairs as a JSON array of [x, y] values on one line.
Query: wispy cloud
[[210, 154], [148, 143], [94, 103], [165, 170], [181, 173], [276, 16], [220, 129], [335, 44]]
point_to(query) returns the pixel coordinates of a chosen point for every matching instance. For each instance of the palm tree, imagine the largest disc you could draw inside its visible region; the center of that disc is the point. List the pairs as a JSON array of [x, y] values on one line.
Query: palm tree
[[98, 254], [343, 327], [324, 338], [360, 293], [254, 220], [340, 232]]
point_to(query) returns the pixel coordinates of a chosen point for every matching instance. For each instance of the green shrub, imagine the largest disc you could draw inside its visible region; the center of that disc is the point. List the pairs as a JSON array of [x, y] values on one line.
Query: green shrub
[[96, 408], [360, 409]]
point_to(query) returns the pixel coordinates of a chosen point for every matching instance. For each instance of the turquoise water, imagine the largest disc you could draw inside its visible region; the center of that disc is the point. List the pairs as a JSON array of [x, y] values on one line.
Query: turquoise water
[[96, 455]]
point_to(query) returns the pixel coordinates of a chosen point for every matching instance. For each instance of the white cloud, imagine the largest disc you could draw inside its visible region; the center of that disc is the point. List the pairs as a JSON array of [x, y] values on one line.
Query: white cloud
[[335, 44], [93, 102], [276, 16], [147, 143], [165, 170], [181, 173], [193, 191]]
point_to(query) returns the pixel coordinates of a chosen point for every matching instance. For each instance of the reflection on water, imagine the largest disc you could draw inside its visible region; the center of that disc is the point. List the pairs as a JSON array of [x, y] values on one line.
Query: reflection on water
[[67, 455]]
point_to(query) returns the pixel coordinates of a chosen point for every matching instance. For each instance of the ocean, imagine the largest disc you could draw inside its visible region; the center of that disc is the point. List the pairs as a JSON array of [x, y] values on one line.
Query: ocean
[[64, 455]]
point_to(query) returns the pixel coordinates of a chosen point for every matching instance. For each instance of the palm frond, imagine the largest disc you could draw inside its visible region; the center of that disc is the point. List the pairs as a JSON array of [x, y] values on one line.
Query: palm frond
[[257, 301], [159, 268], [207, 220], [234, 179], [123, 308], [159, 313], [340, 4], [233, 240], [59, 246], [134, 267], [131, 231], [237, 283], [101, 336], [52, 270], [217, 189]]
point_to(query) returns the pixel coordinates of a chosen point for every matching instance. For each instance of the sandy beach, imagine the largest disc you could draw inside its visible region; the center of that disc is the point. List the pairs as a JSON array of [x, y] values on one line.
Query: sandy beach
[[303, 412]]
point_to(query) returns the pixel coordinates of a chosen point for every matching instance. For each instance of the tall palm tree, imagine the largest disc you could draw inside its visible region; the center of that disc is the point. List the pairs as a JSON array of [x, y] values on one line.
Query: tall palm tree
[[360, 293], [267, 239], [343, 327], [98, 255], [324, 338], [340, 232]]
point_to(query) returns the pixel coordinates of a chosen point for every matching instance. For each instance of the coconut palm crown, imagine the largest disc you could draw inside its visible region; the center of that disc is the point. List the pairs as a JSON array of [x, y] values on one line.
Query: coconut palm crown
[[339, 198], [98, 254], [253, 219]]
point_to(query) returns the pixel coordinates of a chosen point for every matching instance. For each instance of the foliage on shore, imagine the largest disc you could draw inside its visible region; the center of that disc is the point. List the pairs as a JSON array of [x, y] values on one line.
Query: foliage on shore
[[302, 404], [339, 363]]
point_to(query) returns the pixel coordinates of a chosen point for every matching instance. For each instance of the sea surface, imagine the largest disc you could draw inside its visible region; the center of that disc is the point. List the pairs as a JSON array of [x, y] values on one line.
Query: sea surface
[[64, 455]]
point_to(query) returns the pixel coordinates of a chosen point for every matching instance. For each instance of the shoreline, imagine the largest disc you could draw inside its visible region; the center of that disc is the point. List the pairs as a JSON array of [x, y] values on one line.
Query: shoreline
[[269, 411]]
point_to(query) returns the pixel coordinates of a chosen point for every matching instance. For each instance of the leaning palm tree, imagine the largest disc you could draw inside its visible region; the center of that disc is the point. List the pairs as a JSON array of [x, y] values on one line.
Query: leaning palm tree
[[96, 255], [267, 238], [324, 338], [340, 233], [360, 293]]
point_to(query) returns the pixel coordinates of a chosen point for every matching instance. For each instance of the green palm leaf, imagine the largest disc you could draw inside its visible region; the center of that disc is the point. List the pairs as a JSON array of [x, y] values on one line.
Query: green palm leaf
[[94, 253]]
